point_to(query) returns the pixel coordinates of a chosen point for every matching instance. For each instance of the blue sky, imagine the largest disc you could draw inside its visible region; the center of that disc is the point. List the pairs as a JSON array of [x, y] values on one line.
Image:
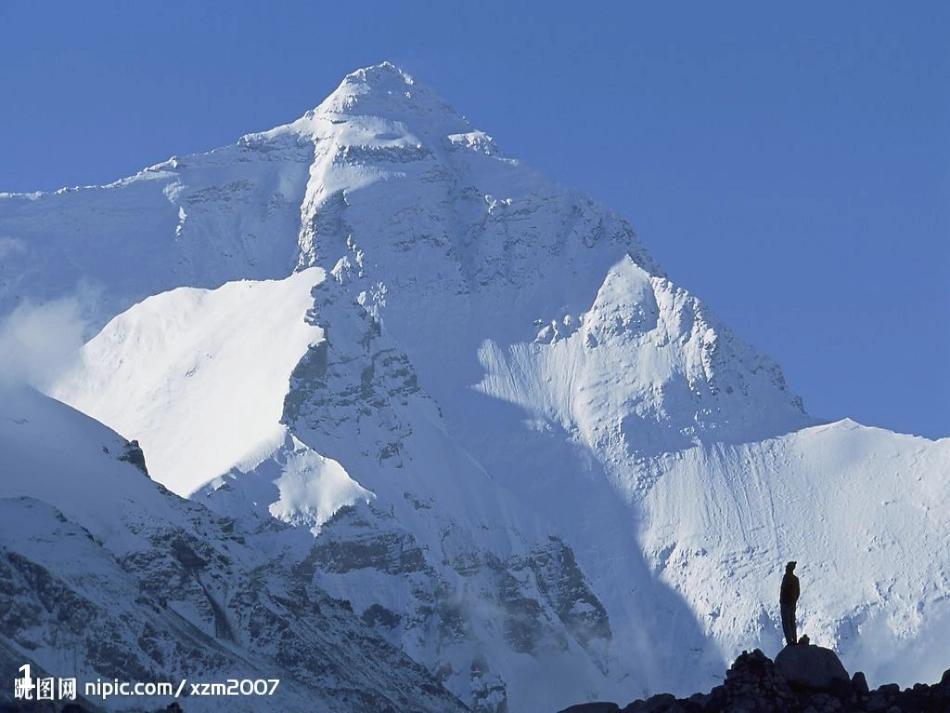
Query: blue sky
[[788, 164]]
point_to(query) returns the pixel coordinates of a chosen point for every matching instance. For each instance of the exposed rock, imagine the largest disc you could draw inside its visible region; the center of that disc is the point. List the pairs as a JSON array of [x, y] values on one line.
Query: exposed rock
[[754, 684], [489, 694], [179, 597], [135, 455], [659, 703], [566, 589], [599, 707], [812, 668]]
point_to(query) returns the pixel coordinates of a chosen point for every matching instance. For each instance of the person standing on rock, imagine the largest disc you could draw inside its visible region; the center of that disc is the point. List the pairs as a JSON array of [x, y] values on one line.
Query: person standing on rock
[[788, 599]]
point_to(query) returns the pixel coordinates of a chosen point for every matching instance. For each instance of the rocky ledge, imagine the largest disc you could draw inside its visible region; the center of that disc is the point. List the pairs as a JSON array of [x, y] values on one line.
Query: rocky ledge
[[802, 679]]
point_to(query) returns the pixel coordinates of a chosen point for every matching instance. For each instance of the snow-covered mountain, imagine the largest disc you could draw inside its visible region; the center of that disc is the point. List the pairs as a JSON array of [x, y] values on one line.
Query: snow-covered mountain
[[107, 575], [526, 456]]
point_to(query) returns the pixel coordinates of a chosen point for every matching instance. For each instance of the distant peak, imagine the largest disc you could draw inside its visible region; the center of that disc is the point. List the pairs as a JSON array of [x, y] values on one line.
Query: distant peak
[[385, 75], [386, 91], [380, 88], [388, 94]]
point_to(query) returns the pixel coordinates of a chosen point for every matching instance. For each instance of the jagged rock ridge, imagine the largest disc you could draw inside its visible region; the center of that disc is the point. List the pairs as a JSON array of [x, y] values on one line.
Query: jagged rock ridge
[[798, 681]]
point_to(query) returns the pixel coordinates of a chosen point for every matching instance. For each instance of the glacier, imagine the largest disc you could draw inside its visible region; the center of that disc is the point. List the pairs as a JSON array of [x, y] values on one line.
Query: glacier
[[468, 401]]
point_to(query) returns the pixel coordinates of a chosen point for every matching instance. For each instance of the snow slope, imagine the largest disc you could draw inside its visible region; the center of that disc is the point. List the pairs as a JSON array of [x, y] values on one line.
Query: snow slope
[[218, 357], [521, 450], [107, 575], [425, 542], [864, 511]]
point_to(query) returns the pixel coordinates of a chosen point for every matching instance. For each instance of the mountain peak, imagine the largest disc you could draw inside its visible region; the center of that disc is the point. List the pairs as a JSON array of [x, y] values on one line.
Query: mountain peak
[[385, 73], [383, 103], [388, 92]]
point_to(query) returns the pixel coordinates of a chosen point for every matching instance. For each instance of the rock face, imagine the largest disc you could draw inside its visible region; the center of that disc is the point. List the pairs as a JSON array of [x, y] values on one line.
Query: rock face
[[133, 454], [811, 668], [104, 574]]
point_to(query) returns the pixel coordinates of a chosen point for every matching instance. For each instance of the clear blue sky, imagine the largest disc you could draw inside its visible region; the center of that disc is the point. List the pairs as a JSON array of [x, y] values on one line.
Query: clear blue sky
[[789, 163]]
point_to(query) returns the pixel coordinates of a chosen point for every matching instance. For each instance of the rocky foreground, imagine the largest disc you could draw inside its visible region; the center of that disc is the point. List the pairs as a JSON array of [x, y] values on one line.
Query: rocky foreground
[[802, 679]]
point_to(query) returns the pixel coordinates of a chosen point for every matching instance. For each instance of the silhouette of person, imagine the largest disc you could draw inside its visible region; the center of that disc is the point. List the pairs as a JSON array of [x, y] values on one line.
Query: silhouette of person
[[789, 597]]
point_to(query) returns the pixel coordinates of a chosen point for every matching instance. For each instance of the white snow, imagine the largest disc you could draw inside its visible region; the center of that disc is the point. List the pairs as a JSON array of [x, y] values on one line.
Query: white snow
[[507, 364], [312, 488], [39, 435], [103, 580], [863, 511], [197, 376]]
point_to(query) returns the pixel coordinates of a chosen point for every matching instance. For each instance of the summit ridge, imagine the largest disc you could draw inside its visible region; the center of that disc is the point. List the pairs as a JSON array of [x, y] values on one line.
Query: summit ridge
[[374, 97]]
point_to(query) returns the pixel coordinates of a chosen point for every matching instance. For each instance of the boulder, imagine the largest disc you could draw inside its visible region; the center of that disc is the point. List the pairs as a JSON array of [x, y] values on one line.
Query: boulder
[[812, 668], [859, 683], [660, 703], [597, 707]]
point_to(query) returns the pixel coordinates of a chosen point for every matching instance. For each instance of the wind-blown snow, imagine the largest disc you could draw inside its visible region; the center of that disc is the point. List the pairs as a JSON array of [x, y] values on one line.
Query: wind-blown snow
[[38, 341]]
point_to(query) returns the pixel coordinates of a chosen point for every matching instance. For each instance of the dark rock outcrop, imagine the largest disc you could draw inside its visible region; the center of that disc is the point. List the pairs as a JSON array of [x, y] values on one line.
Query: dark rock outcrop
[[812, 668], [135, 455], [802, 679], [598, 707]]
